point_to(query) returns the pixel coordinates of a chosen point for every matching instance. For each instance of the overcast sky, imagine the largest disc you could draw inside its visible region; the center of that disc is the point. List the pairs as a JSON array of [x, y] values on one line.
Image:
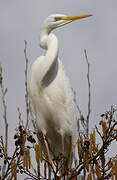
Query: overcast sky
[[20, 20]]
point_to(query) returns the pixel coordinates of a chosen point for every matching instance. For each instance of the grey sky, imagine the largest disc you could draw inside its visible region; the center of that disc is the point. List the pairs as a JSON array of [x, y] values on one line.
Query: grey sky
[[20, 20]]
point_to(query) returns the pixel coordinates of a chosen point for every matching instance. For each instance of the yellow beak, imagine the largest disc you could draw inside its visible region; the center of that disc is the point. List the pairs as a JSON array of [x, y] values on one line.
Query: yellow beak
[[75, 17]]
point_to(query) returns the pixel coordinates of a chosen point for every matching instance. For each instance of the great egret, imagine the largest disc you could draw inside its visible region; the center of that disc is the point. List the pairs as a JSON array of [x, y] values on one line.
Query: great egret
[[51, 97]]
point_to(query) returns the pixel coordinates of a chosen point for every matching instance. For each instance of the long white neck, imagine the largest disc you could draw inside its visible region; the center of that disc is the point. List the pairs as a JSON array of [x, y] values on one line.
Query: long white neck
[[49, 42], [47, 39]]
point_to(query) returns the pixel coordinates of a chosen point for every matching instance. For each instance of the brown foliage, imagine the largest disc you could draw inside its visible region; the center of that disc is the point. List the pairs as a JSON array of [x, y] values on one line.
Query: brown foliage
[[92, 156]]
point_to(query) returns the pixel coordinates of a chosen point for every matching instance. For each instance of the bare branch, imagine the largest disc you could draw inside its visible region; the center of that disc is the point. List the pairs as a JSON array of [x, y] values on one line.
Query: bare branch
[[26, 84], [79, 111], [89, 91], [77, 106], [4, 91], [98, 132]]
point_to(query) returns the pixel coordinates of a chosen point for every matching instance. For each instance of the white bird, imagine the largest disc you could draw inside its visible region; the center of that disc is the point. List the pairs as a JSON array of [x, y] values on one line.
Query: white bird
[[51, 97]]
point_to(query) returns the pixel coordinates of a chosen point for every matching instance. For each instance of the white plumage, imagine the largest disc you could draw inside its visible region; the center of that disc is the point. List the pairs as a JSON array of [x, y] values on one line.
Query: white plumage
[[51, 97]]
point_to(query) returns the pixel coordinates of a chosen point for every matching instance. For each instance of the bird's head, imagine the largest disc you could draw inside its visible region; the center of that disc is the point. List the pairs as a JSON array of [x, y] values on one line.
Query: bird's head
[[57, 20]]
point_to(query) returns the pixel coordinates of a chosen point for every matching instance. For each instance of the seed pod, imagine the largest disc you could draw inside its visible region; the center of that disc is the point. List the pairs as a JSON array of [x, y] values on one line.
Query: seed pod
[[26, 159], [38, 153]]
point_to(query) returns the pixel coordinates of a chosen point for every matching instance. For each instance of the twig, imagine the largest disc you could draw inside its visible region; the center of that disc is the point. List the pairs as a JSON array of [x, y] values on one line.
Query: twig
[[26, 84], [98, 132], [19, 116], [79, 111], [89, 92], [4, 91], [30, 174], [77, 106]]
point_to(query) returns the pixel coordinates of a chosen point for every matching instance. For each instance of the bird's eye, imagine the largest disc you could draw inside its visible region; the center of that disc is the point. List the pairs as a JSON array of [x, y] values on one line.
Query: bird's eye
[[57, 18]]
